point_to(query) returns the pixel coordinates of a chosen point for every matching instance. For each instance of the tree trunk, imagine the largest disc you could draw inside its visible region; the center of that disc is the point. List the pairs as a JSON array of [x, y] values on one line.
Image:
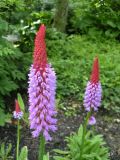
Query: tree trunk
[[60, 19]]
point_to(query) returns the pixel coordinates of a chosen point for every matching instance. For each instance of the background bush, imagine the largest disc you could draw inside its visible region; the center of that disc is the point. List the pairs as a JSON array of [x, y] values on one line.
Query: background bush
[[93, 28], [87, 15], [72, 58], [13, 71]]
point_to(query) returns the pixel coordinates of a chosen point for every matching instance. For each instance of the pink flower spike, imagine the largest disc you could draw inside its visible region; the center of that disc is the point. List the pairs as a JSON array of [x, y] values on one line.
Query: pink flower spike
[[92, 120], [93, 92], [42, 87], [17, 114]]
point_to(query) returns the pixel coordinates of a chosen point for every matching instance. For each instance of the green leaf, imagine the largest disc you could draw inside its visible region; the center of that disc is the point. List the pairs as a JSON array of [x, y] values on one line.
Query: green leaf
[[112, 24], [2, 150], [21, 103], [60, 151], [8, 150], [23, 153], [4, 117], [46, 157], [60, 158], [5, 151]]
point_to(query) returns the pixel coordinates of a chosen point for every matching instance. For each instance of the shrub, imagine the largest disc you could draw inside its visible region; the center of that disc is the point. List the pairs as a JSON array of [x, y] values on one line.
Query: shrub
[[95, 14], [72, 57], [13, 68]]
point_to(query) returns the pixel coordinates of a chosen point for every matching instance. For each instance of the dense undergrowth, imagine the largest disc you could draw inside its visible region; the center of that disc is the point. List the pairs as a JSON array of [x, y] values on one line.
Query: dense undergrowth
[[90, 31], [72, 56]]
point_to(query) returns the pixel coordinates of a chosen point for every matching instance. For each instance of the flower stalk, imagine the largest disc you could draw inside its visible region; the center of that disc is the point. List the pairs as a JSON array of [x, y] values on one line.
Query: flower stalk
[[84, 133], [41, 147], [18, 139], [17, 114]]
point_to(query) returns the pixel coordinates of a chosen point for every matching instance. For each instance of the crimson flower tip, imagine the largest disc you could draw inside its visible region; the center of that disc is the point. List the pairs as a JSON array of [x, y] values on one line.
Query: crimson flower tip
[[17, 114], [40, 53], [95, 71]]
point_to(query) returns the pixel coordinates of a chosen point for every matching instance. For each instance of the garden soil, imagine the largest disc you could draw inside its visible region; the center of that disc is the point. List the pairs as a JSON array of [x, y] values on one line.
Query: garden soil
[[109, 126]]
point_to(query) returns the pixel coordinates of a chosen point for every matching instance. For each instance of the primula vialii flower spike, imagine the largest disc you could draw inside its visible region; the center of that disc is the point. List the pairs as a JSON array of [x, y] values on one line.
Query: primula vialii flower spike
[[42, 86], [93, 93], [17, 114]]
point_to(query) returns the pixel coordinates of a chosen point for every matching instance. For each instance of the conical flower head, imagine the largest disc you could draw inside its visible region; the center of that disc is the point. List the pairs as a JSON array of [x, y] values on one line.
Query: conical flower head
[[93, 93], [42, 86], [95, 72], [40, 55], [17, 114]]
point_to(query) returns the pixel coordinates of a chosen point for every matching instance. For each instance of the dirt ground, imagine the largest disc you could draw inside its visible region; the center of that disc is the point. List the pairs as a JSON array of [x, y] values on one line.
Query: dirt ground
[[109, 126]]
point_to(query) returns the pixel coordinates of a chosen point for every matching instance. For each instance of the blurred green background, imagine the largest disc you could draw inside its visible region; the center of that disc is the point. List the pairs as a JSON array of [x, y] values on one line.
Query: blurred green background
[[77, 31]]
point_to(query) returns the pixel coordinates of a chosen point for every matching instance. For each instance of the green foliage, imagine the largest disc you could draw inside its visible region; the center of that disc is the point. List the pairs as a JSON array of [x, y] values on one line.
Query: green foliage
[[46, 157], [14, 66], [5, 152], [4, 117], [72, 58], [95, 14], [94, 147], [3, 26], [11, 73], [24, 153], [11, 10], [28, 28], [21, 103]]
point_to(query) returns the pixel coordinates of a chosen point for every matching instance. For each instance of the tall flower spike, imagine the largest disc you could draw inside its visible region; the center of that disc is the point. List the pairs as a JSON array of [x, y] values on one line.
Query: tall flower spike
[[42, 86], [17, 114], [93, 93]]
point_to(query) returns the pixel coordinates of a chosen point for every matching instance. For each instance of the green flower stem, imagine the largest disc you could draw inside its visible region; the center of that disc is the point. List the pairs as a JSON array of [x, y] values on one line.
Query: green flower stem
[[84, 133], [93, 130], [18, 139], [42, 147]]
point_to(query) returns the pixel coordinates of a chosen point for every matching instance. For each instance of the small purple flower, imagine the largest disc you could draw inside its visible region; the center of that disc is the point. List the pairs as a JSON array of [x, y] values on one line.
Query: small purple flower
[[92, 120], [93, 93], [17, 114], [42, 86]]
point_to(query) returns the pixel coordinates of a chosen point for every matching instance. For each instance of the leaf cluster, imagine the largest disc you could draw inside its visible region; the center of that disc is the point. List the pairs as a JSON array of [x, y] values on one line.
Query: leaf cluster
[[4, 117], [94, 147], [23, 154], [95, 14], [5, 152], [14, 66]]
